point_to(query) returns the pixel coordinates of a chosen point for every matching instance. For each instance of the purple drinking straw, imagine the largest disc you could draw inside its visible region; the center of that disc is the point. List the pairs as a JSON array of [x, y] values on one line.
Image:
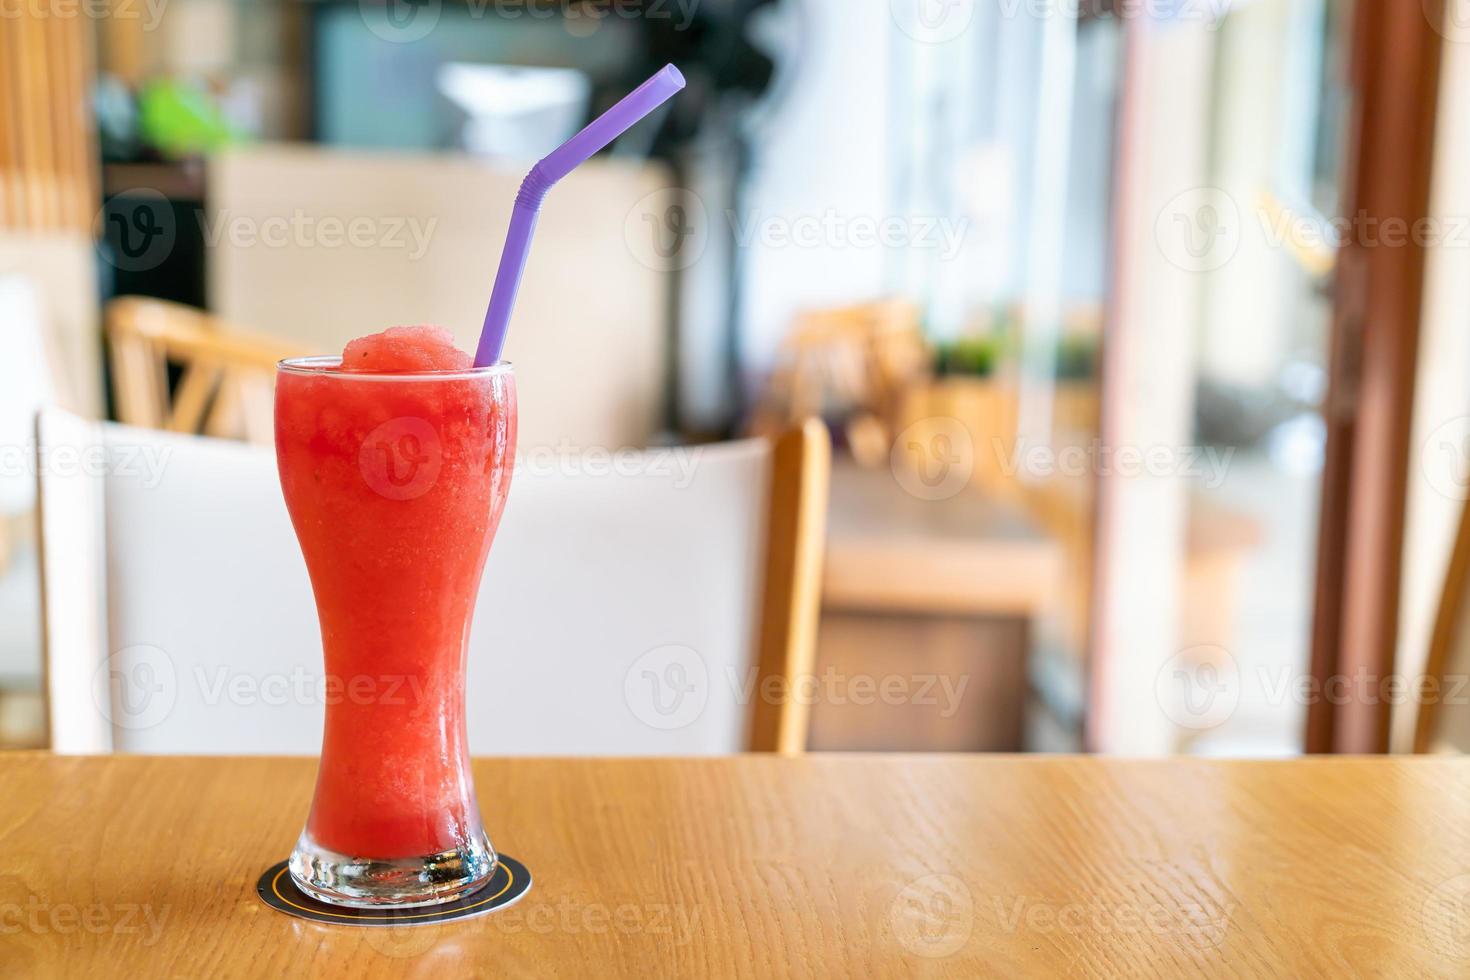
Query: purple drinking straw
[[556, 165]]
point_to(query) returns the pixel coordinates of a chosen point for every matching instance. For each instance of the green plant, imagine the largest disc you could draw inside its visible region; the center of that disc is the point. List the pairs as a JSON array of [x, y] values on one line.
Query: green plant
[[975, 355]]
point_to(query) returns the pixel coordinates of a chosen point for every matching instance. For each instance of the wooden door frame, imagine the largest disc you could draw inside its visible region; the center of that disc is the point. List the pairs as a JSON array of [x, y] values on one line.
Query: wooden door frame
[[1373, 351]]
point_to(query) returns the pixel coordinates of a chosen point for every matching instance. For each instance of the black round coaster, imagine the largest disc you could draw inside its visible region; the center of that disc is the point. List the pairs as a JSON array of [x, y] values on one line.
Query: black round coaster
[[507, 885]]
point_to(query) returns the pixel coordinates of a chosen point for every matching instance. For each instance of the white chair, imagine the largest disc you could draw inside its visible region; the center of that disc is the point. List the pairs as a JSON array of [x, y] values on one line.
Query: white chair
[[48, 314], [26, 383], [25, 386], [628, 609]]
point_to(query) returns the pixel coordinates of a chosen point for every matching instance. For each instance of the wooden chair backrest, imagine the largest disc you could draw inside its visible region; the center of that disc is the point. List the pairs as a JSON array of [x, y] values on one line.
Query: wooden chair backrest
[[227, 375], [1443, 722]]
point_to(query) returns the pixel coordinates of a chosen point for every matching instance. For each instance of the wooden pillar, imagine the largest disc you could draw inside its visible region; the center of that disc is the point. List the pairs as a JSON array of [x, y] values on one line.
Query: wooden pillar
[[1375, 336], [48, 167]]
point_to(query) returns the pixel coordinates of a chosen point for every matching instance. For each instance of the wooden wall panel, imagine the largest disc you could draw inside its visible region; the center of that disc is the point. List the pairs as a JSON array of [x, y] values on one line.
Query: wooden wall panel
[[48, 168]]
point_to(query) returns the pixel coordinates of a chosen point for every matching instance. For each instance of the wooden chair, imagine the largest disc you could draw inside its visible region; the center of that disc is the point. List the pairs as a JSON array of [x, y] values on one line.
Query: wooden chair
[[654, 608], [860, 360], [227, 375], [1443, 722]]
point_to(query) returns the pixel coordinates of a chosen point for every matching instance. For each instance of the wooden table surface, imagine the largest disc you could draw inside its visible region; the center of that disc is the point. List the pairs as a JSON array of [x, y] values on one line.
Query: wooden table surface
[[760, 866]]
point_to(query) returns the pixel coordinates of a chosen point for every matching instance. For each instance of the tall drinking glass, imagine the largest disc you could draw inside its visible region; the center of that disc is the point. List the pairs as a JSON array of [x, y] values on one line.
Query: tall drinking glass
[[395, 484]]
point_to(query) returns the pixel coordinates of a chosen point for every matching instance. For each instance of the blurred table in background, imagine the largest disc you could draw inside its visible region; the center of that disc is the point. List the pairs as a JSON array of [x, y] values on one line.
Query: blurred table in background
[[926, 611]]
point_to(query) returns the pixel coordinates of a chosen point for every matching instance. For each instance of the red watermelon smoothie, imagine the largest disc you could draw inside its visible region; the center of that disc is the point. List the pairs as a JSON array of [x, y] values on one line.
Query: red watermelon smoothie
[[395, 461]]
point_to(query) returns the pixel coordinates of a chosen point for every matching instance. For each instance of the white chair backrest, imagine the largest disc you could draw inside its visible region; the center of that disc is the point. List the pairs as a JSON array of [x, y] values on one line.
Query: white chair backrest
[[618, 613], [591, 320]]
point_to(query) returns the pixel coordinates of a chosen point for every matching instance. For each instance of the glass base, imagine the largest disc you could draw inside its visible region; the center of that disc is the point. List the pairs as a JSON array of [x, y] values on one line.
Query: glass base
[[356, 882]]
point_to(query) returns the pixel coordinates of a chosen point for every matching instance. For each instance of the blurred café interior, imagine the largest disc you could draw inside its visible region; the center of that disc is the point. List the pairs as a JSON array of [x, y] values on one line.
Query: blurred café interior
[[1139, 329]]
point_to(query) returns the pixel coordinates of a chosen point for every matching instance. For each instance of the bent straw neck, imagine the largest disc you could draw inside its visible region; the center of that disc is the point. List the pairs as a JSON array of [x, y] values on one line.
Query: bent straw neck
[[534, 188]]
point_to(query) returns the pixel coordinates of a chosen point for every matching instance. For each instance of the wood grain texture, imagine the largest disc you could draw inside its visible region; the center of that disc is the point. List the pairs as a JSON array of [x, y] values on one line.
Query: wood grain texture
[[48, 177], [954, 866]]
